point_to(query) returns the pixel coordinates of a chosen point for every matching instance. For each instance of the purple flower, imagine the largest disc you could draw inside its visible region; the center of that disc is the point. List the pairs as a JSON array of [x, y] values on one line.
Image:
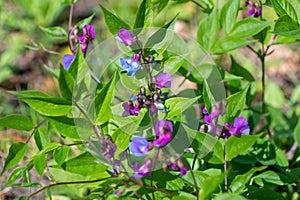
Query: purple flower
[[240, 126], [131, 65], [124, 36], [119, 192], [87, 34], [254, 10], [144, 170], [163, 80], [163, 130], [108, 148], [139, 146], [67, 60], [131, 109]]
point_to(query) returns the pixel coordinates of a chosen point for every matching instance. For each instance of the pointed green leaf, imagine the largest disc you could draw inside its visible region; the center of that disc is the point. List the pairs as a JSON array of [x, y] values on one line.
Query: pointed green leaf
[[66, 83], [209, 186], [144, 16], [236, 104], [229, 14], [248, 27], [14, 175], [64, 126], [17, 121], [238, 144], [177, 105], [297, 132], [208, 30], [85, 21], [103, 101], [113, 22], [84, 164], [286, 26], [16, 153], [229, 43], [228, 196], [208, 97], [39, 162], [284, 7], [61, 154], [239, 182], [55, 32]]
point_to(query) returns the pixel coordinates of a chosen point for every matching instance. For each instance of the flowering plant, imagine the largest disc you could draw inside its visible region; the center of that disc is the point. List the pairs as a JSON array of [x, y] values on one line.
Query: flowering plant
[[147, 114]]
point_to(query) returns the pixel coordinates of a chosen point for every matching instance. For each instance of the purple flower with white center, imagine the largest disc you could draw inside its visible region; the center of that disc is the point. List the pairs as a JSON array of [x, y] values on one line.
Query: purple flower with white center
[[139, 146], [67, 60], [163, 80], [163, 131], [240, 126], [124, 36], [144, 170], [131, 65]]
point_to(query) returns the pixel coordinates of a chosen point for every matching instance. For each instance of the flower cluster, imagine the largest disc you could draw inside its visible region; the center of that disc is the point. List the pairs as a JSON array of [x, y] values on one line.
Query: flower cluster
[[87, 34], [136, 103], [240, 125], [254, 10], [175, 165]]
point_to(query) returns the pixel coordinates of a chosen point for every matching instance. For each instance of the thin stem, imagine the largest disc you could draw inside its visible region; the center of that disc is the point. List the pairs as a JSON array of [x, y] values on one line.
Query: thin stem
[[198, 4], [225, 168], [95, 128], [194, 161], [66, 183], [35, 128], [71, 15]]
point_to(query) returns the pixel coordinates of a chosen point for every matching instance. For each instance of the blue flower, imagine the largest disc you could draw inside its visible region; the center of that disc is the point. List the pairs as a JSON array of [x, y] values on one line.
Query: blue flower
[[67, 60], [139, 146], [131, 65]]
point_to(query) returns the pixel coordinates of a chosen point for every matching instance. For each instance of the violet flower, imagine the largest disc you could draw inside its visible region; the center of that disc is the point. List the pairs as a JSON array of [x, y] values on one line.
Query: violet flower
[[67, 60], [87, 34], [108, 148], [163, 130], [124, 36], [131, 65], [254, 10], [139, 146], [163, 80], [144, 170], [240, 126]]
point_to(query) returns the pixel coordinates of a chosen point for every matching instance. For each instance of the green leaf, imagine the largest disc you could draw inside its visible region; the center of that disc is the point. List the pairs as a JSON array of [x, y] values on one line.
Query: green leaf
[[55, 32], [84, 164], [161, 5], [281, 159], [39, 162], [66, 83], [184, 196], [209, 186], [85, 21], [228, 196], [16, 153], [17, 121], [286, 26], [284, 7], [235, 104], [229, 43], [208, 97], [274, 95], [64, 126], [144, 16], [238, 70], [61, 154], [41, 138], [248, 27], [69, 2], [14, 175], [263, 193], [238, 144], [229, 14], [103, 101], [208, 30], [50, 147], [268, 176], [297, 132], [177, 105], [54, 72], [113, 22], [238, 184], [160, 34]]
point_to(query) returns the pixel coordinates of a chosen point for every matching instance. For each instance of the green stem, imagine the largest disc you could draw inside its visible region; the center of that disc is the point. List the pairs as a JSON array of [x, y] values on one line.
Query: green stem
[[35, 128], [225, 168]]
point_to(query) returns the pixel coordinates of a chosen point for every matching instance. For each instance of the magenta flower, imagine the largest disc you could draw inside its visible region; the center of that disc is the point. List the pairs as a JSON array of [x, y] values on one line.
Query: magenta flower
[[163, 80], [87, 34], [240, 126], [131, 65], [254, 10], [139, 146], [163, 130], [124, 36], [67, 60], [144, 170]]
